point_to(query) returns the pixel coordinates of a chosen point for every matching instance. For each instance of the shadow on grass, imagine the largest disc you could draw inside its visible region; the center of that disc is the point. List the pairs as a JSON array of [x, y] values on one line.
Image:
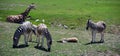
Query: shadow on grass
[[41, 48], [66, 42], [21, 46], [98, 42], [33, 41]]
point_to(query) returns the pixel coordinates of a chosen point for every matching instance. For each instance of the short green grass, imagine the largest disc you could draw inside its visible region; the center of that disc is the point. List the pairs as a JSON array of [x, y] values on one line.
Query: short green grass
[[66, 11], [58, 49]]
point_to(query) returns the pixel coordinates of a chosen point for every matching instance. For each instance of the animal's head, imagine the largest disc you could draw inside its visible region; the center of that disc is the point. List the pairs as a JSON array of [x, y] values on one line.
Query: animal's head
[[87, 25], [48, 36], [32, 6], [15, 42]]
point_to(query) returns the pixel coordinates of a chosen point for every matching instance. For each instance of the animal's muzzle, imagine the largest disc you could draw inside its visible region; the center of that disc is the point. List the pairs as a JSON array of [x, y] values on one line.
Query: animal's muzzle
[[87, 28]]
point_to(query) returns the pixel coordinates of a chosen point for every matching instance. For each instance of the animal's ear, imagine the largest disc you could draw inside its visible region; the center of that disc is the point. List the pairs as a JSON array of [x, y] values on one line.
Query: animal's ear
[[89, 19], [32, 4]]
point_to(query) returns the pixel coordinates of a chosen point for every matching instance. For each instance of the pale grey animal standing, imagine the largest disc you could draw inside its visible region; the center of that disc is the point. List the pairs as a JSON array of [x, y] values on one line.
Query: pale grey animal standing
[[21, 17], [98, 27], [25, 29], [43, 31]]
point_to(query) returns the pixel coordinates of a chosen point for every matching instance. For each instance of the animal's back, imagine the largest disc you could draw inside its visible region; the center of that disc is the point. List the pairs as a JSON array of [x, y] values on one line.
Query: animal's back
[[27, 26], [41, 28], [101, 26], [14, 18]]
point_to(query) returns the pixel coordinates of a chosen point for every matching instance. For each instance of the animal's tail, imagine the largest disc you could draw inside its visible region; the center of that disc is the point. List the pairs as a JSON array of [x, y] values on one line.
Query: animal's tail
[[104, 25], [8, 19]]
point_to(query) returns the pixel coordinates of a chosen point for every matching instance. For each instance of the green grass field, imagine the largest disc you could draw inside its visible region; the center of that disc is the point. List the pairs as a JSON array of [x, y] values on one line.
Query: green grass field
[[66, 11], [111, 47], [74, 14]]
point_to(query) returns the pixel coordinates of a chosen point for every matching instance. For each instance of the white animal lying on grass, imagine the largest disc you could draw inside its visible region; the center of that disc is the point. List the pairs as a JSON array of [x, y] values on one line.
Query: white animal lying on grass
[[65, 40]]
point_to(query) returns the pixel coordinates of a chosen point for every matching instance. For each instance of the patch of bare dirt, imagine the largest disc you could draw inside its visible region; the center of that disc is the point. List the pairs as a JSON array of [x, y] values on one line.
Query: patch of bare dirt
[[100, 53], [114, 29]]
